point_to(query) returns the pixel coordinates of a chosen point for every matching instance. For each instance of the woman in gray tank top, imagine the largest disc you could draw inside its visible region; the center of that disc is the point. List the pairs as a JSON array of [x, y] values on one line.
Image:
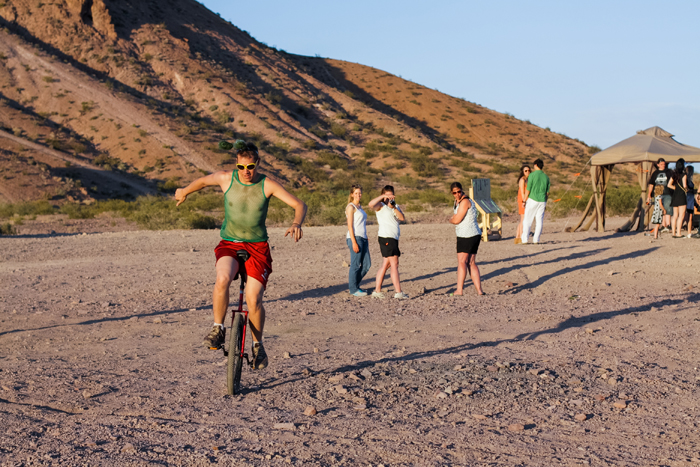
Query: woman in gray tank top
[[468, 239]]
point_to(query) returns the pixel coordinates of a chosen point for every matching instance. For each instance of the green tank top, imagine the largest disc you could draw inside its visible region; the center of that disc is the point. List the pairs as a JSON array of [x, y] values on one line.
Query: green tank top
[[245, 208]]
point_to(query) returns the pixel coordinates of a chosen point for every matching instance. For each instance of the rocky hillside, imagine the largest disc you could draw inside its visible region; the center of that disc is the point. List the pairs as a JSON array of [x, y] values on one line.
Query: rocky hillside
[[105, 99]]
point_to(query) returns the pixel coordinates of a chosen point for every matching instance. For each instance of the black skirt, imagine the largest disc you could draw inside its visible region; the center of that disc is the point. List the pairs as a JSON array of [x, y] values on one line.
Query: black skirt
[[679, 198]]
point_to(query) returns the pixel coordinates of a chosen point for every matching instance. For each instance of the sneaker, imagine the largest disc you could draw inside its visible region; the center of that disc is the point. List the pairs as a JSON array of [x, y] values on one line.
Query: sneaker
[[400, 296], [259, 356], [665, 230], [648, 235], [359, 293], [378, 295], [216, 338], [697, 235]]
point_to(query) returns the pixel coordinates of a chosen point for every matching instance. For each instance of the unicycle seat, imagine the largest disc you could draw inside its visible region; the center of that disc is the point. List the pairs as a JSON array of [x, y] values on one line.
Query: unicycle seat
[[242, 256]]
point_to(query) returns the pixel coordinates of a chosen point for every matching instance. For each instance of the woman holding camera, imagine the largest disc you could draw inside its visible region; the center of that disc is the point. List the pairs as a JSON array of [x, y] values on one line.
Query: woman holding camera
[[468, 239], [389, 216]]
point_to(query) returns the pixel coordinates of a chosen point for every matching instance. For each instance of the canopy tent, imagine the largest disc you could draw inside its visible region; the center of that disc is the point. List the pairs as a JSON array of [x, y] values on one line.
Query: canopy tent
[[643, 149]]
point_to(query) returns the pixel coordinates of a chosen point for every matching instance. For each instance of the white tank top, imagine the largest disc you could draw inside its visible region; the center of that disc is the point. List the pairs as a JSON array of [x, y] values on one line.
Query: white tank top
[[469, 227], [359, 223], [388, 223]]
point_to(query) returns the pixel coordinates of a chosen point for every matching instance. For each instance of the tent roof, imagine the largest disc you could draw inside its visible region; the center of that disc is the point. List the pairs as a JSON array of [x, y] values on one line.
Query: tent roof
[[647, 145]]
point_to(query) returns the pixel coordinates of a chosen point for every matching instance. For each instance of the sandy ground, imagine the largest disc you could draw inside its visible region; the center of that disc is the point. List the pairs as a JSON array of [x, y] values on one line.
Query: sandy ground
[[583, 352]]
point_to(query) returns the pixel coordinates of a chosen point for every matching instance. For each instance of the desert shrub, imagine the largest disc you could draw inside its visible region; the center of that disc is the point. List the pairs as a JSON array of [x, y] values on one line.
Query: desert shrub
[[435, 197], [409, 182], [338, 130], [27, 208], [7, 229], [106, 161], [156, 212], [413, 208], [333, 160], [274, 98], [423, 165], [349, 93], [86, 107], [170, 185], [310, 144], [318, 131], [312, 171]]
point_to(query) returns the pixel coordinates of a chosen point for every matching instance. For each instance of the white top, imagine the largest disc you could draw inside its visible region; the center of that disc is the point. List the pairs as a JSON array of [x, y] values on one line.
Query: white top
[[388, 223], [469, 227], [359, 223]]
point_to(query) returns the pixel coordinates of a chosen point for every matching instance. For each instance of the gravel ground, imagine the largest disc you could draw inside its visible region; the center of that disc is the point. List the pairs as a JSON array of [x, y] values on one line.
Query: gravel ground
[[583, 352]]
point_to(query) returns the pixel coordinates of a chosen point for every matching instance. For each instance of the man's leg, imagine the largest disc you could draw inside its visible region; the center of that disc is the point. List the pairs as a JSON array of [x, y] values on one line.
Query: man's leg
[[254, 291], [539, 220], [527, 221], [226, 269]]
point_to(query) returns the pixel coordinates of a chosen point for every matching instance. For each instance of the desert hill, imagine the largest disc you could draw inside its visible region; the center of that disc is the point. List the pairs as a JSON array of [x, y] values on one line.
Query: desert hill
[[114, 99]]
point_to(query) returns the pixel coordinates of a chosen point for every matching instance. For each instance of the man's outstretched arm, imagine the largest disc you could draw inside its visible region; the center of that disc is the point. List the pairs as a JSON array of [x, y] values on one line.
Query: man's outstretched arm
[[277, 190], [215, 179]]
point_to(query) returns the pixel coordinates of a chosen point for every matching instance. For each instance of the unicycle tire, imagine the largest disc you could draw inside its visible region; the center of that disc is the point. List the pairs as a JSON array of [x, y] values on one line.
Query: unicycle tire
[[235, 361]]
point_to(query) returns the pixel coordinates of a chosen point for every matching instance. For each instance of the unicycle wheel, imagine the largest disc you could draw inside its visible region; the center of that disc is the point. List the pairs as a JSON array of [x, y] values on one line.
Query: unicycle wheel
[[235, 360]]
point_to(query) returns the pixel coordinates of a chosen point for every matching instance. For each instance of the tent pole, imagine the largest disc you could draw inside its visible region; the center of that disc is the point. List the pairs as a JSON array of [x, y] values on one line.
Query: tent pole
[[595, 175], [585, 214]]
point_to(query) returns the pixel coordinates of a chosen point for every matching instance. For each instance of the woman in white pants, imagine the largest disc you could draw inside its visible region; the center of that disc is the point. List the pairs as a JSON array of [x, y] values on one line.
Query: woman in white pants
[[535, 201]]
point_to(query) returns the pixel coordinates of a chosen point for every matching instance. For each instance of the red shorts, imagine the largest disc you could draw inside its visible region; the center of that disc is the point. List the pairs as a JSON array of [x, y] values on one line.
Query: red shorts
[[258, 266]]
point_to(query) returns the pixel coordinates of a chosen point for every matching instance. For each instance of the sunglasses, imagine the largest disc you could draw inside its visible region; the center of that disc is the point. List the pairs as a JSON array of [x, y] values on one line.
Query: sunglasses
[[457, 192], [244, 167]]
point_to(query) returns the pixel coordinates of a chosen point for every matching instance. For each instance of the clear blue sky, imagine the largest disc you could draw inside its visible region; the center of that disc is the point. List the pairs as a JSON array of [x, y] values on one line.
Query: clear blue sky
[[594, 70]]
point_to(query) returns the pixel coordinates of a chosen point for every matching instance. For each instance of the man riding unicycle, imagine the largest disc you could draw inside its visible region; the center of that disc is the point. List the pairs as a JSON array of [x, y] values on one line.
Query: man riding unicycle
[[246, 198]]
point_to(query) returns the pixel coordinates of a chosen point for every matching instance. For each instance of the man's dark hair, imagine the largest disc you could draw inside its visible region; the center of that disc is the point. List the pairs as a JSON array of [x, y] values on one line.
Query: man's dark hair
[[388, 188], [241, 148], [661, 159], [455, 185], [539, 164]]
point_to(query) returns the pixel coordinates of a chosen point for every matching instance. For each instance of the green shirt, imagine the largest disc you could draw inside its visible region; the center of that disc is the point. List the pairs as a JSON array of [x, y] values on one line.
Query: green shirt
[[245, 208], [538, 186]]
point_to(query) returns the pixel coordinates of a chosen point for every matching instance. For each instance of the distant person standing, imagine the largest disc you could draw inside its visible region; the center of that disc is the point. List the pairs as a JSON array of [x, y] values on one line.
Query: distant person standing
[[360, 261], [522, 185], [661, 176], [468, 239], [535, 201], [657, 215], [389, 216], [690, 198], [678, 198]]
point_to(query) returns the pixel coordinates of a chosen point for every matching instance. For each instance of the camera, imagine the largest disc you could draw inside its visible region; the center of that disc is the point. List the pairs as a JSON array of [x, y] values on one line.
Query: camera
[[392, 203]]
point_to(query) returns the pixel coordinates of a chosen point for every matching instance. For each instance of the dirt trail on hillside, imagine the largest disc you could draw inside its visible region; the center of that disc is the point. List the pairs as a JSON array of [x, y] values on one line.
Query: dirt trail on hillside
[[138, 186], [583, 352], [91, 90]]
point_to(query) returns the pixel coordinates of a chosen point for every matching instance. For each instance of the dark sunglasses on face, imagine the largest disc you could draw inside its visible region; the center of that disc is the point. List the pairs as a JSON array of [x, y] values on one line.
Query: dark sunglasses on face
[[457, 192], [243, 167]]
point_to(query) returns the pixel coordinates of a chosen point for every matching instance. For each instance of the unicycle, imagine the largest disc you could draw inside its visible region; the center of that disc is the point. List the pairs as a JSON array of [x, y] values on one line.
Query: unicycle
[[239, 324]]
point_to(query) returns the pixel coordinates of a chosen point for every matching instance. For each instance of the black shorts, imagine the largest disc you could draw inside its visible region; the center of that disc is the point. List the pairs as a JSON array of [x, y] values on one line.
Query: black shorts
[[389, 247], [468, 245]]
